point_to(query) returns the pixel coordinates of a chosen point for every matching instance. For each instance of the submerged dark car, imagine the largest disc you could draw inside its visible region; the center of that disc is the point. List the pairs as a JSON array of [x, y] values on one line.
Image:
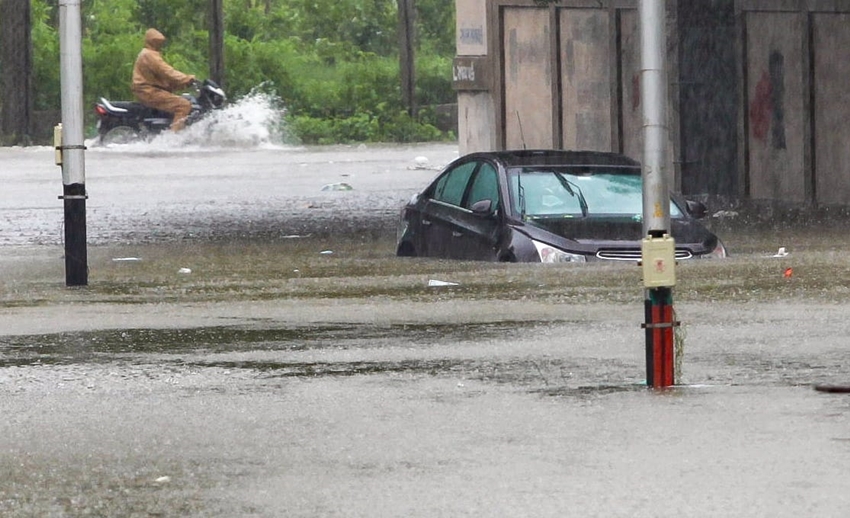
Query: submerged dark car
[[543, 206]]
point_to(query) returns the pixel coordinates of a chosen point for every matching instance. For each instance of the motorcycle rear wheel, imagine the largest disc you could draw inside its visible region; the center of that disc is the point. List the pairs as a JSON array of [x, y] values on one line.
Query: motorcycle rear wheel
[[120, 135]]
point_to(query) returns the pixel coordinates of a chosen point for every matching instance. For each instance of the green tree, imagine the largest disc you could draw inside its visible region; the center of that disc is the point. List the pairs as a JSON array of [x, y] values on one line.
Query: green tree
[[45, 43], [435, 26], [175, 19], [333, 64]]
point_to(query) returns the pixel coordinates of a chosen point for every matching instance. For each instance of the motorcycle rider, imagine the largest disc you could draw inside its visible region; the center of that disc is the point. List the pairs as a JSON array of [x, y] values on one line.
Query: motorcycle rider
[[154, 80]]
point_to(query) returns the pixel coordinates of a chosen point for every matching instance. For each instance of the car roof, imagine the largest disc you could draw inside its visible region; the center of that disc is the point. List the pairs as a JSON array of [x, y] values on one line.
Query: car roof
[[555, 157]]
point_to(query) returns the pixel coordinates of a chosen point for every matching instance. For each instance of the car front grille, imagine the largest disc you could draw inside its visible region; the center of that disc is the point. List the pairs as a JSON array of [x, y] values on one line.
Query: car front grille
[[630, 254]]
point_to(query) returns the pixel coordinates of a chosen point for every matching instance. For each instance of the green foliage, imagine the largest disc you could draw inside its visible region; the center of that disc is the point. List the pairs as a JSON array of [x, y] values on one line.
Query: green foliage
[[105, 19], [247, 24], [369, 25], [435, 26], [433, 80], [333, 64], [108, 66], [251, 63], [364, 127], [175, 19], [45, 39], [357, 101]]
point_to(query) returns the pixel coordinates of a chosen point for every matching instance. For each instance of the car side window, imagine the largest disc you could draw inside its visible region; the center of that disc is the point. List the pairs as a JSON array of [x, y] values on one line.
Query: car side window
[[451, 186], [485, 186]]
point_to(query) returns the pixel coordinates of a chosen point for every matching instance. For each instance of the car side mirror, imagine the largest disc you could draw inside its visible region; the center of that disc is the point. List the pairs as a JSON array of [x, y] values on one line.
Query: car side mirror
[[696, 209], [482, 207]]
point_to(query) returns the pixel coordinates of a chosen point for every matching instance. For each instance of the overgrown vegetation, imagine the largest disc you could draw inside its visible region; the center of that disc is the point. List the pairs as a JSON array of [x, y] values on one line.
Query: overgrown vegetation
[[334, 65]]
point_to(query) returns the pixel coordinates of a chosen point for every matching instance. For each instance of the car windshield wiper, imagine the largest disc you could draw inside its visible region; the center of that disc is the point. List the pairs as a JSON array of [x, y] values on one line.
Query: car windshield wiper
[[521, 191], [574, 190]]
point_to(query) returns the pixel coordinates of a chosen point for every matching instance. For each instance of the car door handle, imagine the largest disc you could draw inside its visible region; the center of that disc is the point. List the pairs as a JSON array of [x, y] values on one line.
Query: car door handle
[[426, 222], [455, 233]]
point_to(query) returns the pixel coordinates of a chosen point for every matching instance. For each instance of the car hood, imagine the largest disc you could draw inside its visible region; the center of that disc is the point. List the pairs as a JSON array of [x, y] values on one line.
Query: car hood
[[590, 234]]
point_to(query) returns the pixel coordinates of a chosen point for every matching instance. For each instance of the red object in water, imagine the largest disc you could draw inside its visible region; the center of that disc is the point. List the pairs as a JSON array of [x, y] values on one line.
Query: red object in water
[[788, 273]]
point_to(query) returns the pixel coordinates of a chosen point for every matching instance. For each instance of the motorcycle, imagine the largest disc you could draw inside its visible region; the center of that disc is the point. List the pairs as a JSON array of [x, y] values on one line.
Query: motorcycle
[[127, 121]]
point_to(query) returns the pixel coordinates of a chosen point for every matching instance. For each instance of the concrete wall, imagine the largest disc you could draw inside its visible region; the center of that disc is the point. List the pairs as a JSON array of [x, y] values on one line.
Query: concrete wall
[[476, 121], [831, 76], [630, 118], [774, 100], [528, 101], [759, 95], [586, 94], [560, 75], [706, 95], [796, 102]]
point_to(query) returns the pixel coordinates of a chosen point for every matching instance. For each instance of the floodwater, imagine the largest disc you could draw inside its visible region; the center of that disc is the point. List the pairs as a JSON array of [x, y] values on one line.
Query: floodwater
[[248, 345]]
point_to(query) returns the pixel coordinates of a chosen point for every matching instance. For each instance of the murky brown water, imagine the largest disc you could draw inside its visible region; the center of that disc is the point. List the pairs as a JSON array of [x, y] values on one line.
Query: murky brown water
[[272, 379]]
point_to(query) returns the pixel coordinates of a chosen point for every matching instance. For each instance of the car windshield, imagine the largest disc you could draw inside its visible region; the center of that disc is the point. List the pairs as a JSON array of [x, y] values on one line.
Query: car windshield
[[542, 192]]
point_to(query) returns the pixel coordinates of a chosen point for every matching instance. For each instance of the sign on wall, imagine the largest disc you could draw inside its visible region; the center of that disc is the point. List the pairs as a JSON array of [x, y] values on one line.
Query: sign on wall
[[471, 73], [471, 27]]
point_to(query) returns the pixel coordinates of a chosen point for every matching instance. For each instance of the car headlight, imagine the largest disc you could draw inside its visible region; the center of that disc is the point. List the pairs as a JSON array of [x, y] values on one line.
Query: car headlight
[[550, 254]]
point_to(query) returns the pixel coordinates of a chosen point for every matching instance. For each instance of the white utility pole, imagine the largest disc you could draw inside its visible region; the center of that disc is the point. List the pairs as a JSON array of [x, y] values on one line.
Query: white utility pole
[[71, 145], [658, 250], [653, 91]]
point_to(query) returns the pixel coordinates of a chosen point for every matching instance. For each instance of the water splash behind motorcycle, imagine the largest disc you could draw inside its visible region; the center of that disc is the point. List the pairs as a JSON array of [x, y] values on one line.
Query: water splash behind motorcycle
[[254, 121]]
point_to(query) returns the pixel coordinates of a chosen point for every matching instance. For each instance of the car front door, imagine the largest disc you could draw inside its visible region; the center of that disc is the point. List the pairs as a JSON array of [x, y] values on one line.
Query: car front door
[[478, 225], [440, 214], [461, 219]]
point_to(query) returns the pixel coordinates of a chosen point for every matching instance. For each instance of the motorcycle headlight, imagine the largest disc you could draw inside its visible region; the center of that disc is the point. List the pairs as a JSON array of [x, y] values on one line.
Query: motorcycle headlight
[[550, 254]]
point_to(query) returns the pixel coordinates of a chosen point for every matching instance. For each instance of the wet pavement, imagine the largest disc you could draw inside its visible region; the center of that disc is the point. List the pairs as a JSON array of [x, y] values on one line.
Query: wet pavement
[[272, 379]]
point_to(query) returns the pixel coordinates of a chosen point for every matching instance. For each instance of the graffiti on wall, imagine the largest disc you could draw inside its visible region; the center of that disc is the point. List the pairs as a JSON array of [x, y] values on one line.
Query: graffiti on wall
[[767, 112]]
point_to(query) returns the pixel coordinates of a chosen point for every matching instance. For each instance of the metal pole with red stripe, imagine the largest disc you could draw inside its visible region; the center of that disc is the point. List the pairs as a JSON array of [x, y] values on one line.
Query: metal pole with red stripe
[[660, 338], [658, 250]]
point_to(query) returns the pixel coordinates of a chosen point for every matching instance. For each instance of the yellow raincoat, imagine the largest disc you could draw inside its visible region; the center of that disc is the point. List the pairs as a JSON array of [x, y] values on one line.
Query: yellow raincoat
[[154, 80]]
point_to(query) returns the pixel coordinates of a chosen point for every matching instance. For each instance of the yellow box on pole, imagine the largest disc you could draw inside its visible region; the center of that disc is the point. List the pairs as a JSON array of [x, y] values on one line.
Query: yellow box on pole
[[658, 258], [57, 143]]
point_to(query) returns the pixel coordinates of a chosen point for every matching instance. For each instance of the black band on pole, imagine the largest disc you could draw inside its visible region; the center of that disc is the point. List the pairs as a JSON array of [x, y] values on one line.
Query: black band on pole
[[661, 325], [76, 253]]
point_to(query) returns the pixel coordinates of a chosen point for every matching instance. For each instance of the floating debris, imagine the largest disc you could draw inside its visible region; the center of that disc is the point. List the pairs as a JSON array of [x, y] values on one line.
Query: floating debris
[[339, 186], [421, 162], [834, 389], [126, 259], [184, 270], [723, 214], [434, 282]]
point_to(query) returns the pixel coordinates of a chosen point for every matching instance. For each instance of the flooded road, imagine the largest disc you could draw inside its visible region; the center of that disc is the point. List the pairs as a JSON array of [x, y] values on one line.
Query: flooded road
[[248, 345]]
